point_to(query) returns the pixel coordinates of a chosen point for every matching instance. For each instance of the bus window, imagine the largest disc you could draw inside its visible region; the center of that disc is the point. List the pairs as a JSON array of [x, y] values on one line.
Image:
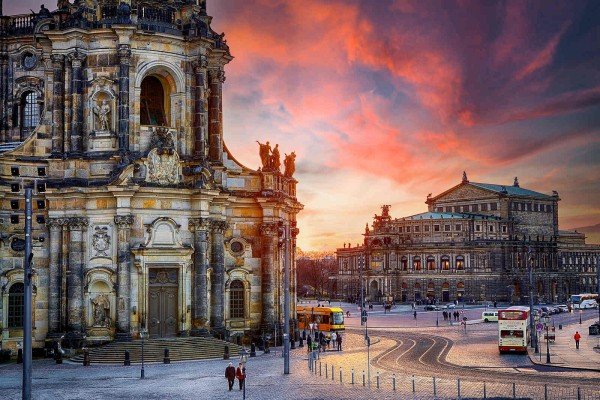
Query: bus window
[[511, 334], [338, 318]]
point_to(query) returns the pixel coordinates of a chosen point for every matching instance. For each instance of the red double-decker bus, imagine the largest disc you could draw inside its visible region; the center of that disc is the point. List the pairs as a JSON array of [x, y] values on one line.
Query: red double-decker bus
[[513, 329]]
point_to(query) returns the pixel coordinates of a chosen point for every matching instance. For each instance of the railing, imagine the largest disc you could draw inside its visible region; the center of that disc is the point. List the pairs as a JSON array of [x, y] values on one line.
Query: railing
[[17, 25]]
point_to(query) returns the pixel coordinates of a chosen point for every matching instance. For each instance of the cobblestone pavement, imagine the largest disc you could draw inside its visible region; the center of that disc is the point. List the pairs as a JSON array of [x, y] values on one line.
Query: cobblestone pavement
[[205, 379]]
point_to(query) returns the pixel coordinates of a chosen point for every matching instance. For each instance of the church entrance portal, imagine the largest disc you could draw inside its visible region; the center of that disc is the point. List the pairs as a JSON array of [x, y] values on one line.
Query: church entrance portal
[[162, 302]]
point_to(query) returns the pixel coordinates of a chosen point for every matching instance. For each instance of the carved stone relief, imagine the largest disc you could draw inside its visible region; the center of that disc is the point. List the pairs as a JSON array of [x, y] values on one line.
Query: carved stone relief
[[101, 241]]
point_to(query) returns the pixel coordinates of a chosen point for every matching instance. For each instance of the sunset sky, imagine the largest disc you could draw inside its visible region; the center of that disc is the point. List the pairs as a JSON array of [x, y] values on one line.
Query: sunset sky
[[386, 101]]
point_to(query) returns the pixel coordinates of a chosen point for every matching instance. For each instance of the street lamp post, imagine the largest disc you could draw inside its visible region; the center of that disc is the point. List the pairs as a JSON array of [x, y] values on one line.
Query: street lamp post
[[361, 265], [143, 333], [547, 323], [531, 326], [580, 312], [244, 360], [284, 233]]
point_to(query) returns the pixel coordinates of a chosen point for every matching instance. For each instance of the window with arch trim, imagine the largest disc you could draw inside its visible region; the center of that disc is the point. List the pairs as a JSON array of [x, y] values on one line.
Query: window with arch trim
[[16, 305], [460, 263], [236, 299], [445, 263], [430, 263], [152, 102], [27, 113]]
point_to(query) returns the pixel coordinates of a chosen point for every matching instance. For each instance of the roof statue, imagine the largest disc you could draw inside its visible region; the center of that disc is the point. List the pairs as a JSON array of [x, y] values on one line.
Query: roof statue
[[290, 164], [516, 184], [464, 179]]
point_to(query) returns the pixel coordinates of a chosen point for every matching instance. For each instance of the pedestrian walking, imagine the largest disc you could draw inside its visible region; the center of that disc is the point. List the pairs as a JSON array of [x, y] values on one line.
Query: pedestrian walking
[[309, 342], [240, 375], [415, 314], [339, 341], [577, 337], [333, 339], [230, 375]]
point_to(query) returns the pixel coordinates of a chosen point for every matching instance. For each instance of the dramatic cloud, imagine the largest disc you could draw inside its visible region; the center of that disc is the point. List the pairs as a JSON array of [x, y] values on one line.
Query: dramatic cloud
[[387, 101]]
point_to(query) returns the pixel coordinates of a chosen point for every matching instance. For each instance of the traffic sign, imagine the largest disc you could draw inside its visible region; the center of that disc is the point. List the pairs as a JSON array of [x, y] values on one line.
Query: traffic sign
[[539, 327]]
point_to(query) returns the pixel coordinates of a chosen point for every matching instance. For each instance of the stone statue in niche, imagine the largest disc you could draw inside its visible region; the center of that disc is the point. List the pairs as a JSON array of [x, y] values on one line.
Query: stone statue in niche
[[101, 241], [102, 112], [101, 311]]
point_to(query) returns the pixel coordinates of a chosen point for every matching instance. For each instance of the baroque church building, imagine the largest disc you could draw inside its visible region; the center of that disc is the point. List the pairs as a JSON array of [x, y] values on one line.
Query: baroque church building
[[147, 221], [476, 242]]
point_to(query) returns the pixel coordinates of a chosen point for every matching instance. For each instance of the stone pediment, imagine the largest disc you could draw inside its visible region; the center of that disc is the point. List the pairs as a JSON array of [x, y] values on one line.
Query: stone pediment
[[163, 232], [464, 191]]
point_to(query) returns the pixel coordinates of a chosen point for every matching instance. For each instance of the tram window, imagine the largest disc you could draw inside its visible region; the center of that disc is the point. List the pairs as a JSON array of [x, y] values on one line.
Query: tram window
[[511, 334]]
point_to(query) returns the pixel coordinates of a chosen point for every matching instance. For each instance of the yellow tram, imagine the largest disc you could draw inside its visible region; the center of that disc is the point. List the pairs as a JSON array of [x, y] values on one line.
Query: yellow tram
[[328, 319]]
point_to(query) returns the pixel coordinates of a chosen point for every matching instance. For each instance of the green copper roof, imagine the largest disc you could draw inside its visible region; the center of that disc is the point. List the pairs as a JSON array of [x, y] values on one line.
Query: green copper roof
[[511, 190], [446, 215]]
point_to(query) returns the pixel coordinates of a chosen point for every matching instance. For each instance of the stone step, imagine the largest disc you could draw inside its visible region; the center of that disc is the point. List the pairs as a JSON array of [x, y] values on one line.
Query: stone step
[[179, 349]]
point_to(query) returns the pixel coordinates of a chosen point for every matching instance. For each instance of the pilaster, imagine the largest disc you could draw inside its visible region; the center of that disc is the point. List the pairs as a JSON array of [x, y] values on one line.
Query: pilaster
[[55, 276], [200, 107], [200, 228], [77, 225], [268, 231], [215, 115], [58, 104], [77, 59], [124, 54], [123, 223], [217, 264]]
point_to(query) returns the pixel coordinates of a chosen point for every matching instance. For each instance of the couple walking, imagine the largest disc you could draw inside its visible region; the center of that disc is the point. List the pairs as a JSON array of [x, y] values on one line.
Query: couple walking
[[231, 373]]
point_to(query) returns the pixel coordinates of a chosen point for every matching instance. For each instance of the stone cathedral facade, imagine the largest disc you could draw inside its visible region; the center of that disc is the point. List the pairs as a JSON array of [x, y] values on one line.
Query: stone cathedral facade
[[475, 243], [147, 220]]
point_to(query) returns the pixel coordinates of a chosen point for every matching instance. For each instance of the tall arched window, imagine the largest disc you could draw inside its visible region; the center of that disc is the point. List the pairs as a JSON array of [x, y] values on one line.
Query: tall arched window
[[417, 263], [16, 305], [30, 113], [404, 263], [445, 263], [152, 102], [460, 263], [236, 299], [430, 263]]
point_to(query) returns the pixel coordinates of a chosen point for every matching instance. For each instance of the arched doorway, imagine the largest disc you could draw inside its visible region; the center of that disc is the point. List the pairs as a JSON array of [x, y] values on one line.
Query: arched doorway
[[431, 293], [418, 292], [445, 292], [404, 291], [460, 291]]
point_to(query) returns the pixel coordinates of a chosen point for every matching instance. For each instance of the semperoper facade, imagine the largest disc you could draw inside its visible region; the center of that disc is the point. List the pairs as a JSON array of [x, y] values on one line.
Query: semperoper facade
[[148, 220], [475, 243]]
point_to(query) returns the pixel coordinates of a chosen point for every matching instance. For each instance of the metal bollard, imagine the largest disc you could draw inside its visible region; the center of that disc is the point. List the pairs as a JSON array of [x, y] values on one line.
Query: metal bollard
[[377, 379], [413, 383], [320, 373], [332, 373], [20, 356], [326, 370], [225, 353], [394, 382], [578, 389], [484, 392], [127, 361], [514, 391], [292, 344], [458, 388], [309, 361], [434, 389], [167, 359], [252, 350], [545, 391], [363, 377], [86, 358], [301, 344], [353, 376], [341, 375]]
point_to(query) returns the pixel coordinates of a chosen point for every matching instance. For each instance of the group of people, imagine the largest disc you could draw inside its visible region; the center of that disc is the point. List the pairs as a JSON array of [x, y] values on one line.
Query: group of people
[[324, 341], [231, 373], [451, 316]]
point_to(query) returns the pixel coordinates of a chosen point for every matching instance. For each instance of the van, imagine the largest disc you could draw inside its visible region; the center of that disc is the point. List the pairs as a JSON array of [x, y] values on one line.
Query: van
[[489, 316]]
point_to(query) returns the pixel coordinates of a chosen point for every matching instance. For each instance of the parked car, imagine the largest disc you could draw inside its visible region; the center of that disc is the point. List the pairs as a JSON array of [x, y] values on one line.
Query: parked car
[[431, 307], [450, 305], [563, 308]]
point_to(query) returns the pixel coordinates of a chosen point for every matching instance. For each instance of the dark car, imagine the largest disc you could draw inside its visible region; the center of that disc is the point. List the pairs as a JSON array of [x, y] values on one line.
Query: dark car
[[431, 307]]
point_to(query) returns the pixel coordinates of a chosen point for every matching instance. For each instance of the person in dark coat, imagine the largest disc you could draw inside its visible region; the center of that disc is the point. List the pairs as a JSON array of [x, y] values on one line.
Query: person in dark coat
[[309, 343], [240, 374], [230, 375], [339, 342]]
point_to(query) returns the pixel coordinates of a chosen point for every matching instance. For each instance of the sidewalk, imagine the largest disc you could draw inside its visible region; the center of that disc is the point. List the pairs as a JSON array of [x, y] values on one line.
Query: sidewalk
[[563, 352]]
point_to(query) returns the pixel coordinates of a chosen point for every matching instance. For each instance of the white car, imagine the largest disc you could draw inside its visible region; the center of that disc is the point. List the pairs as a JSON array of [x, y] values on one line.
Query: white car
[[450, 305]]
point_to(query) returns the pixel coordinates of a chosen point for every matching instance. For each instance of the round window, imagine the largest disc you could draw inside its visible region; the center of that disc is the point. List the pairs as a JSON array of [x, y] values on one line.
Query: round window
[[237, 247], [29, 60], [17, 244]]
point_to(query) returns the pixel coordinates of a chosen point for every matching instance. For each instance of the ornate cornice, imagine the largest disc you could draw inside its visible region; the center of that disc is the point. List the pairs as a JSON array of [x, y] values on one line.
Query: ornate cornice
[[56, 223], [268, 229], [57, 58], [77, 58], [200, 64], [124, 221], [198, 224], [217, 76], [218, 226]]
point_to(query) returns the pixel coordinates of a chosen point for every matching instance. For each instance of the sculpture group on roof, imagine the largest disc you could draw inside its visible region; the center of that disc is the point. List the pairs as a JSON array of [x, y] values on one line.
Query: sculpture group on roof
[[270, 159]]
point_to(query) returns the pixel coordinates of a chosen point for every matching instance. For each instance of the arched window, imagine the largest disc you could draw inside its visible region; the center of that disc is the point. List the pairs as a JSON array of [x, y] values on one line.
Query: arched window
[[404, 263], [445, 263], [460, 263], [431, 263], [16, 306], [236, 299], [29, 113], [417, 263], [152, 102]]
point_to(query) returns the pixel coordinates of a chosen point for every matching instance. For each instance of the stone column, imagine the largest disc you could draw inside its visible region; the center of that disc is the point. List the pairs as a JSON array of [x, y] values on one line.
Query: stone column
[[124, 54], [76, 322], [58, 104], [200, 98], [268, 231], [77, 59], [215, 115], [54, 272], [123, 223], [200, 284], [4, 112], [217, 263]]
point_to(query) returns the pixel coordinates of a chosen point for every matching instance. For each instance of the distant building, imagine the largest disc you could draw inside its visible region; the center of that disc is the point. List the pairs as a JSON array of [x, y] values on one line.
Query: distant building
[[475, 243], [149, 221]]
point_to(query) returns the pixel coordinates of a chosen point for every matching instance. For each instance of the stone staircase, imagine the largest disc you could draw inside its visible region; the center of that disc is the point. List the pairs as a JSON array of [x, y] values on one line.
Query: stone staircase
[[180, 349]]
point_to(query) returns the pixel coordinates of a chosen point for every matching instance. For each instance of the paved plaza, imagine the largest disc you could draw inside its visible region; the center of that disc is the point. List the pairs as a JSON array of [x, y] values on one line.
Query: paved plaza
[[205, 379]]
